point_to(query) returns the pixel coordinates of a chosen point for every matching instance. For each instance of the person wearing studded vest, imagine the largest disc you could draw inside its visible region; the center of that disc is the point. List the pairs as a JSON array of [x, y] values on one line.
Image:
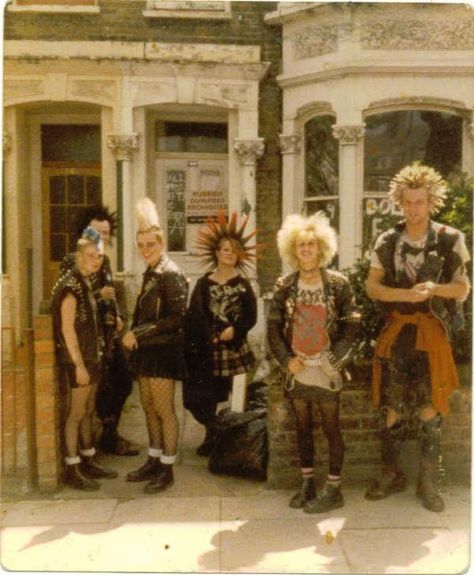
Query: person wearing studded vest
[[312, 329], [79, 343], [418, 273]]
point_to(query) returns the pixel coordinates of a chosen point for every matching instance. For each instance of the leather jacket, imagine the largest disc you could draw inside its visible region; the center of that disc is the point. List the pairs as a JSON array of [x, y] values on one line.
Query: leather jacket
[[161, 305], [343, 324]]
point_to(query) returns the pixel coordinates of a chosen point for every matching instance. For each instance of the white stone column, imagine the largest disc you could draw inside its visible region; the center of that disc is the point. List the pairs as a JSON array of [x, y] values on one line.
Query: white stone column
[[248, 151], [290, 147], [350, 191], [122, 146]]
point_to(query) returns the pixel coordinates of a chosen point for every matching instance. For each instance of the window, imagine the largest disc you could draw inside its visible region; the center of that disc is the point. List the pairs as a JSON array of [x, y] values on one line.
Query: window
[[191, 137], [181, 9], [70, 143], [89, 6], [321, 168], [396, 139]]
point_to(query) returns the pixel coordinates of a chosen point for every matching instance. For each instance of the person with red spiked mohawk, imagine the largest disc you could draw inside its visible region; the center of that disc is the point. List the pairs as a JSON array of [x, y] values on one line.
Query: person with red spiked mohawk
[[222, 310]]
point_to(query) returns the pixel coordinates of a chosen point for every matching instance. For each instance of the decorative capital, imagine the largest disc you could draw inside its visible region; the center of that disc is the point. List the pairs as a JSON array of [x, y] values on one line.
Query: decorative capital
[[290, 143], [249, 150], [122, 145], [7, 143], [349, 135]]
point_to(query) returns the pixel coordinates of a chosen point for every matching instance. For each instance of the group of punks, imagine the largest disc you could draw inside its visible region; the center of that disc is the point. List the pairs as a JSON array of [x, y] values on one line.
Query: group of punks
[[417, 272]]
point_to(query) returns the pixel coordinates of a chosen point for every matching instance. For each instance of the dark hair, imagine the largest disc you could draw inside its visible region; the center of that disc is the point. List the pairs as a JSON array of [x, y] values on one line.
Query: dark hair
[[100, 213]]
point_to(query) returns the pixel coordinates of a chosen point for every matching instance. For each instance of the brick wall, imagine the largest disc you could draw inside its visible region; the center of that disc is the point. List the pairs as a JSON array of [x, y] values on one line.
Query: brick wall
[[360, 424]]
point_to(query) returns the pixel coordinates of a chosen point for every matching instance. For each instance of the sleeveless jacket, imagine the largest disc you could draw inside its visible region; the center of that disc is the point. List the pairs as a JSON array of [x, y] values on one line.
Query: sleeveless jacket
[[86, 324], [441, 262]]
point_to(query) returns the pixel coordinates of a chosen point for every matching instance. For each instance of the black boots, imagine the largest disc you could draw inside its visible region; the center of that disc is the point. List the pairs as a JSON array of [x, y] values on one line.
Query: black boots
[[328, 499], [147, 471], [306, 493], [392, 479], [208, 444], [75, 479], [163, 479], [90, 468], [428, 479], [112, 442]]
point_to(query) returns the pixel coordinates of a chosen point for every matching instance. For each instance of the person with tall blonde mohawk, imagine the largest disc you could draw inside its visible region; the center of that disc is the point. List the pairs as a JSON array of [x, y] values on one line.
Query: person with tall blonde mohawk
[[417, 270], [156, 339], [222, 310], [313, 328]]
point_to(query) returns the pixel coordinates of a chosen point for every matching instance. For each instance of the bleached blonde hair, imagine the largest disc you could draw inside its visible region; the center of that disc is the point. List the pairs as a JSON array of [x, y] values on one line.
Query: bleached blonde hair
[[148, 220], [297, 227], [415, 176]]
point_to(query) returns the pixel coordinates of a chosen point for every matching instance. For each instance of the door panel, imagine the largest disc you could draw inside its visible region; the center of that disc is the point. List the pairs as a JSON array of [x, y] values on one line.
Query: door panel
[[65, 191]]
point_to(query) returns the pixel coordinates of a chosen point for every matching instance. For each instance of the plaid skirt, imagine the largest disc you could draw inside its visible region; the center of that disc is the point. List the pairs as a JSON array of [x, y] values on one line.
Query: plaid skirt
[[227, 362]]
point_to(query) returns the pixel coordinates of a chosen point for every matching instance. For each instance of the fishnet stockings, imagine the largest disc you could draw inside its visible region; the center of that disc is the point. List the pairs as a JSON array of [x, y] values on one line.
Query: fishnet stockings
[[157, 397], [78, 427], [329, 411]]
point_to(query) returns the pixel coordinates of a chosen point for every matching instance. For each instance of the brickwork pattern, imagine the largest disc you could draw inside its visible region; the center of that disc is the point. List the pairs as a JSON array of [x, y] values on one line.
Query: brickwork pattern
[[360, 424]]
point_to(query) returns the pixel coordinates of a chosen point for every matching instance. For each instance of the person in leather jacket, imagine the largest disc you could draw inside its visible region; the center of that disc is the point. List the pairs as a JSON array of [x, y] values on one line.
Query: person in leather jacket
[[312, 329], [156, 338]]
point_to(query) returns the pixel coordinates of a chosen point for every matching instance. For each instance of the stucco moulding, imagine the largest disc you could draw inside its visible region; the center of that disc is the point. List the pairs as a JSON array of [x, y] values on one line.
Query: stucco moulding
[[145, 93], [418, 35], [290, 143], [224, 95], [20, 89], [348, 135], [93, 90], [313, 42], [421, 101], [249, 150], [202, 53], [122, 145]]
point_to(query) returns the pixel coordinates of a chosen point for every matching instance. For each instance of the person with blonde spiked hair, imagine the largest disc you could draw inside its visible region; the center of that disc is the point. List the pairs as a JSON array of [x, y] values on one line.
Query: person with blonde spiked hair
[[156, 339], [313, 327], [417, 270]]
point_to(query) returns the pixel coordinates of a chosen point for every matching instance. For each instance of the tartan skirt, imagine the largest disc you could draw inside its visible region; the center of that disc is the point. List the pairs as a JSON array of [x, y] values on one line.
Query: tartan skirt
[[227, 362]]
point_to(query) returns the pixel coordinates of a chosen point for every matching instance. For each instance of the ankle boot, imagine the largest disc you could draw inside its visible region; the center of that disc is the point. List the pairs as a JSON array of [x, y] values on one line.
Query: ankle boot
[[90, 468], [329, 498], [147, 471], [208, 444], [392, 478], [306, 493], [162, 480], [428, 489], [75, 479], [112, 442]]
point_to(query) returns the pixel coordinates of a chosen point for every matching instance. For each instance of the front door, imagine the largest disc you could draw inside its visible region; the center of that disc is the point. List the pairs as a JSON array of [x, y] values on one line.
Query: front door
[[66, 189], [189, 192]]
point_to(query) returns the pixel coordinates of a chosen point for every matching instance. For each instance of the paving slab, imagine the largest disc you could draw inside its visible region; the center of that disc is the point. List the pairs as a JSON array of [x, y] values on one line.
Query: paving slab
[[420, 551]]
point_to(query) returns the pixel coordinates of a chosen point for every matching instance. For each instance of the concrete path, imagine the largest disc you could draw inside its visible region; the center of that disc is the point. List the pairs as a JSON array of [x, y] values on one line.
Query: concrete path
[[208, 523]]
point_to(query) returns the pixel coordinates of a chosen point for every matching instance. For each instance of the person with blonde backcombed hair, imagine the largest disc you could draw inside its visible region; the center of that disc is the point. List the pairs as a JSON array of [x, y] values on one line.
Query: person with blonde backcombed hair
[[417, 270], [313, 327], [156, 339]]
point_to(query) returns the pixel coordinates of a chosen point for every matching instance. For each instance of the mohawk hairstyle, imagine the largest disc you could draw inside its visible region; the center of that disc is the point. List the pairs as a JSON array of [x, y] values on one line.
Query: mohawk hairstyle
[[210, 237], [415, 176], [99, 212], [147, 216]]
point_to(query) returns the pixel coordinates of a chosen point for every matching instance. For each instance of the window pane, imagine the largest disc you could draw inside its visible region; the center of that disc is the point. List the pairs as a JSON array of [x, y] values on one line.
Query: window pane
[[58, 219], [175, 191], [94, 190], [321, 157], [194, 137], [57, 247], [330, 207], [70, 143], [396, 139], [75, 189], [57, 189]]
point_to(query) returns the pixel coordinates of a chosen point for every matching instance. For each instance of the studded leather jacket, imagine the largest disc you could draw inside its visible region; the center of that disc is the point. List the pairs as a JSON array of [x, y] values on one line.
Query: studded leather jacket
[[161, 305], [343, 324], [86, 324]]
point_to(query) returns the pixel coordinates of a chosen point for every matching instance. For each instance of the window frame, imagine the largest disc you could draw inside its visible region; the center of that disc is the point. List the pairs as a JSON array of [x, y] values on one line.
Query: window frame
[[182, 9], [56, 6]]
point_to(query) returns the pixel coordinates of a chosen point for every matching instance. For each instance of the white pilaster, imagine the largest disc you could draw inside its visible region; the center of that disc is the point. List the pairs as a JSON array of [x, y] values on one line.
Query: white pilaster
[[122, 146], [290, 147], [350, 191]]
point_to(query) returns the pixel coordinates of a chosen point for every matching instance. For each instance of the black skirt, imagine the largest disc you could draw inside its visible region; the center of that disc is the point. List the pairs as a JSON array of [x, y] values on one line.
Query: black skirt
[[165, 361]]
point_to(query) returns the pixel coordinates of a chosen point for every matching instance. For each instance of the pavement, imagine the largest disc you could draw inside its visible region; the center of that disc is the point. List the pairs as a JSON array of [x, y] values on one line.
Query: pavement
[[210, 523]]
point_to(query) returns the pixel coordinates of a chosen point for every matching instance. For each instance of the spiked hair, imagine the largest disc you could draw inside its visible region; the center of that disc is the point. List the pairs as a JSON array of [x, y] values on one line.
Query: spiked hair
[[315, 226], [415, 176], [210, 238], [148, 220], [100, 213]]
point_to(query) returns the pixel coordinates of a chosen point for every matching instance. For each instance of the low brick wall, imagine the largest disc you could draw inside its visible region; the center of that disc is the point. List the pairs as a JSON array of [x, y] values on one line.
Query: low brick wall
[[360, 424]]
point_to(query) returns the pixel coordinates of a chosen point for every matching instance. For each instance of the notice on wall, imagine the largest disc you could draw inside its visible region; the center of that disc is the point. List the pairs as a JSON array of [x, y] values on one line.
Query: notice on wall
[[205, 203]]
